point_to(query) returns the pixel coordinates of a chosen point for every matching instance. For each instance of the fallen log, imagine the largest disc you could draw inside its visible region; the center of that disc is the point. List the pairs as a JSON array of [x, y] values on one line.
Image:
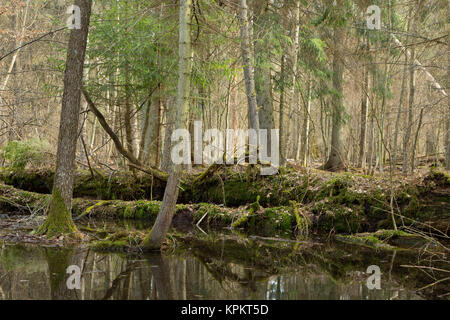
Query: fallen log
[[343, 203]]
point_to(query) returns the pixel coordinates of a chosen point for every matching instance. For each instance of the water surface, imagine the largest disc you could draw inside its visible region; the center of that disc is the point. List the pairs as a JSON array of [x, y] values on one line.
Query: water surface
[[34, 272]]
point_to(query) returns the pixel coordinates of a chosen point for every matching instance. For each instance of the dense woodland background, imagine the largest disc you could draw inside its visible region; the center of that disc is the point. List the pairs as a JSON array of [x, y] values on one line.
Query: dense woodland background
[[317, 70]]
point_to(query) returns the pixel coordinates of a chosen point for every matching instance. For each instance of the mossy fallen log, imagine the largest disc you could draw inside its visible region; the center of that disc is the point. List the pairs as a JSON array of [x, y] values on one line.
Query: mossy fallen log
[[118, 185], [251, 218], [341, 203]]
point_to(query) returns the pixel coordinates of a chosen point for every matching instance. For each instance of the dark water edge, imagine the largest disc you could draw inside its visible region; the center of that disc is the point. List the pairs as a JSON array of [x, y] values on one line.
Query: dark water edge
[[331, 272]]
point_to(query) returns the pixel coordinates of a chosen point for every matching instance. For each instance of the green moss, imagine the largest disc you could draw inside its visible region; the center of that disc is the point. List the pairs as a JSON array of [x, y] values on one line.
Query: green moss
[[241, 221], [120, 241], [279, 218], [215, 215], [385, 239], [303, 222], [59, 220]]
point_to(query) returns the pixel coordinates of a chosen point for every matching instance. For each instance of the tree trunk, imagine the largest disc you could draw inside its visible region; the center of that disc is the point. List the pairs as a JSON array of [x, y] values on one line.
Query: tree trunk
[[265, 101], [412, 88], [399, 112], [416, 138], [247, 59], [291, 142], [363, 129], [304, 151], [335, 161], [281, 115], [128, 114], [59, 219], [170, 122], [157, 235]]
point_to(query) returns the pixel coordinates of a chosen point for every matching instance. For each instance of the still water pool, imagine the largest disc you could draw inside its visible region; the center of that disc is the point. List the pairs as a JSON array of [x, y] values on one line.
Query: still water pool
[[333, 271]]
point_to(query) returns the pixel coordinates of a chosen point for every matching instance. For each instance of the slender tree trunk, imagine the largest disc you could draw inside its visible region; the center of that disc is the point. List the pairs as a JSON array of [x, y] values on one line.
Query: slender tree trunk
[[157, 235], [416, 138], [247, 59], [291, 142], [144, 132], [412, 88], [281, 115], [304, 151], [170, 123], [265, 100], [128, 114], [399, 112], [335, 161], [363, 128], [263, 78], [59, 219]]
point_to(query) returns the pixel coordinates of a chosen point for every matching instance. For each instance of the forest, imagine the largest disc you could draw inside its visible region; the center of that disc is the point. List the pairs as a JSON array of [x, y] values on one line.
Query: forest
[[224, 149]]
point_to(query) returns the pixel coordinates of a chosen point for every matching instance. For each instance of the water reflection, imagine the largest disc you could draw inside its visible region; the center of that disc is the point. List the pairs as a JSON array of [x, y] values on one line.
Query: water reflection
[[40, 273]]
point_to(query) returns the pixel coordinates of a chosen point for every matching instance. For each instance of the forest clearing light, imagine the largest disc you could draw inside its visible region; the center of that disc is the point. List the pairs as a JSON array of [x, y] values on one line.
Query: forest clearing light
[[261, 148]]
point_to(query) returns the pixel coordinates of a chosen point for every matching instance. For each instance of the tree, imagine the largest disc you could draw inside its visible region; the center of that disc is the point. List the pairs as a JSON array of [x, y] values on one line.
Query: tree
[[248, 66], [59, 219], [412, 89], [335, 160], [157, 235]]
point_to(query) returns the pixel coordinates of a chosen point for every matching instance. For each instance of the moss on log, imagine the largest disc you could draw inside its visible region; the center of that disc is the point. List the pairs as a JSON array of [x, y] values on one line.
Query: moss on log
[[292, 201], [120, 185]]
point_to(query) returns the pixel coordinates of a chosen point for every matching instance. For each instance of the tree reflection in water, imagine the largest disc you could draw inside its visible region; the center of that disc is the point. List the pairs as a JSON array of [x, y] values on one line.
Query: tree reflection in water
[[40, 273]]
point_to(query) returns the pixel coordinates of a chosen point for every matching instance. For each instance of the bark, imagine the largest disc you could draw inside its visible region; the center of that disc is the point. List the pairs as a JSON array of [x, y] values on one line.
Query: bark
[[59, 220], [157, 235]]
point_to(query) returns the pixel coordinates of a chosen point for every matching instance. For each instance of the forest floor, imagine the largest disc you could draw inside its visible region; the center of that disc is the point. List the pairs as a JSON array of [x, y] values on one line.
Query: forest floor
[[296, 203]]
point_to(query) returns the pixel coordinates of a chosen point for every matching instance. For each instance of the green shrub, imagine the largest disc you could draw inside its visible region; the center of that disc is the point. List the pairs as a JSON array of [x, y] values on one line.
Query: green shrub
[[19, 154]]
